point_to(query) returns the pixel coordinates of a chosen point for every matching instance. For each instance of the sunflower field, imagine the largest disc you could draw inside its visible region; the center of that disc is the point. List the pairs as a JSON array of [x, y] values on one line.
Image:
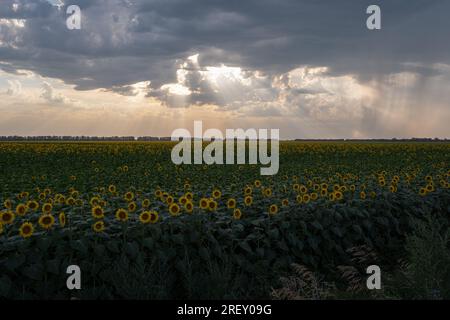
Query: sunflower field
[[140, 227]]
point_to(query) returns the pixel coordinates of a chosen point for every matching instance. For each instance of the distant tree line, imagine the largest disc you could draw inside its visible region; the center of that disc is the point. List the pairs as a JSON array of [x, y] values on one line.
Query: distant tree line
[[150, 138], [81, 138]]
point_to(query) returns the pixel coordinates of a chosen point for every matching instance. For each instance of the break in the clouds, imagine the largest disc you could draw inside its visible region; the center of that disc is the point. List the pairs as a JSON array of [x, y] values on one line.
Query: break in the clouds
[[311, 68]]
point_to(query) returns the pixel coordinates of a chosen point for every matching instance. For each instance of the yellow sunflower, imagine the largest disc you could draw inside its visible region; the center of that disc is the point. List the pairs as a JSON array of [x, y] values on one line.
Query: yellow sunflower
[[189, 206], [216, 194], [21, 209], [212, 205], [46, 221], [174, 209], [8, 204], [248, 200], [129, 196], [7, 217], [204, 203], [237, 214], [154, 217], [98, 226], [132, 206], [122, 215], [145, 217], [146, 203], [62, 219], [231, 203], [97, 212], [47, 208], [26, 230], [33, 205], [285, 202], [273, 209]]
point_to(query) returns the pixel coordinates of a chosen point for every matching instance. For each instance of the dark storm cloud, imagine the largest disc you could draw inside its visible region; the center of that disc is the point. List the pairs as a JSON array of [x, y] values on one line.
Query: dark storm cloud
[[124, 41]]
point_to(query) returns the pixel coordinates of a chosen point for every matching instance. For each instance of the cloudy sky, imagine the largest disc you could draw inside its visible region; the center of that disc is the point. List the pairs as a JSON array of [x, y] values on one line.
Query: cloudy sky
[[146, 67]]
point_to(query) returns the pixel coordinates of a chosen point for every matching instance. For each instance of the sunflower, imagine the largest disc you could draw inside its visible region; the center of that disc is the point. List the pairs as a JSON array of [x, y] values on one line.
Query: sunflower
[[158, 193], [430, 188], [174, 209], [237, 214], [46, 221], [26, 230], [97, 212], [212, 205], [362, 195], [112, 188], [128, 196], [314, 196], [257, 183], [170, 200], [303, 189], [8, 204], [324, 186], [94, 201], [296, 187], [154, 217], [145, 217], [392, 189], [122, 215], [47, 208], [331, 196], [373, 194], [7, 217], [323, 192], [189, 195], [248, 200], [299, 198], [32, 205], [204, 203], [98, 226], [182, 200], [21, 209], [423, 191], [70, 201], [306, 198], [267, 192], [132, 206], [216, 194], [273, 209], [62, 219], [285, 202], [248, 190], [189, 206], [338, 195], [231, 203], [146, 203]]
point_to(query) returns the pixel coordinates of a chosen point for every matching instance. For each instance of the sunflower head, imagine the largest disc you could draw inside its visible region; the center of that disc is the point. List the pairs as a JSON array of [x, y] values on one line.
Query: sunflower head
[[98, 226], [122, 215], [212, 205], [362, 195], [7, 217], [154, 217], [174, 209], [204, 203], [46, 221], [132, 206], [217, 194], [306, 198], [21, 209], [146, 203], [97, 212], [112, 188], [248, 200], [33, 205], [237, 214], [26, 230], [273, 209], [8, 204], [145, 217], [189, 207], [285, 202], [62, 219], [231, 203], [47, 208], [129, 196]]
